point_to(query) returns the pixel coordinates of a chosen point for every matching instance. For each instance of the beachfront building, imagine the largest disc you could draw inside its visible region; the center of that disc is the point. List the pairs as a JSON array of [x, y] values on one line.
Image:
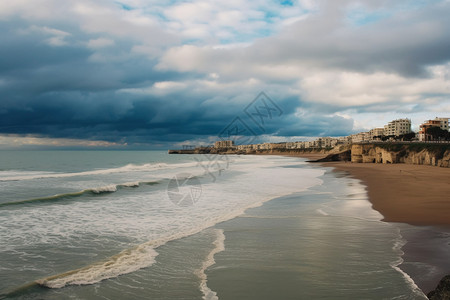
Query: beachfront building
[[223, 144], [360, 137], [306, 145], [277, 145], [437, 122], [345, 140], [375, 133], [291, 145], [246, 148], [326, 142], [398, 127], [265, 146], [444, 123], [299, 145]]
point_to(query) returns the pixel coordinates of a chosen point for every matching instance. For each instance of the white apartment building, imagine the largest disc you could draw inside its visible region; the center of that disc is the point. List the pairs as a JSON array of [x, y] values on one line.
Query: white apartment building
[[244, 147], [360, 137], [397, 127], [376, 132], [345, 140], [437, 122], [327, 142], [444, 123], [300, 145]]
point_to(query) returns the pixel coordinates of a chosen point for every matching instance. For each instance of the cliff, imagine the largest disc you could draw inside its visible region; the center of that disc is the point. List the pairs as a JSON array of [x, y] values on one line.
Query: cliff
[[442, 291], [412, 153]]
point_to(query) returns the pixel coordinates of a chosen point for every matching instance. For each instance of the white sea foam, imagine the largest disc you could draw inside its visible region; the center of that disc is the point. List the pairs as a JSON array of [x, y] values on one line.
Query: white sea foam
[[219, 244], [110, 188], [132, 260], [131, 184], [398, 244], [14, 175], [141, 217], [320, 211], [106, 188], [123, 263], [19, 175], [128, 261]]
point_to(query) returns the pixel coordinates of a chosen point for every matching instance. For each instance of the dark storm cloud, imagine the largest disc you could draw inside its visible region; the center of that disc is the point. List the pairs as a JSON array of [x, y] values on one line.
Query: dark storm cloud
[[316, 125], [95, 77], [23, 49], [59, 91]]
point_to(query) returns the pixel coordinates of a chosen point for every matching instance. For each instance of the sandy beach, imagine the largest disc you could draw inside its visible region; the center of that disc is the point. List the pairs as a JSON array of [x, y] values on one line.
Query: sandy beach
[[413, 194]]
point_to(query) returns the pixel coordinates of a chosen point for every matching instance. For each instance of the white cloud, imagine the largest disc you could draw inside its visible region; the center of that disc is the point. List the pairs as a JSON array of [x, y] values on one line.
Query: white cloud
[[325, 61], [12, 141], [57, 37], [230, 20], [34, 10], [100, 43]]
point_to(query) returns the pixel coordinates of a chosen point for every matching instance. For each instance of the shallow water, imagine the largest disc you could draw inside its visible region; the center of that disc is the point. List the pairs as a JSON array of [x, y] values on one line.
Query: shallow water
[[325, 243], [105, 225]]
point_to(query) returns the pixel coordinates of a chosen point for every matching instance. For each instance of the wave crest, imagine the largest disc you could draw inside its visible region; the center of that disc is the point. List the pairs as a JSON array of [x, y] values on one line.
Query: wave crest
[[24, 175], [111, 188], [123, 263], [104, 189]]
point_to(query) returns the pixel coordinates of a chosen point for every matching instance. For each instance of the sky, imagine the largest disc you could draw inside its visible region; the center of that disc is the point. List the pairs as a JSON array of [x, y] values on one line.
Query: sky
[[144, 74]]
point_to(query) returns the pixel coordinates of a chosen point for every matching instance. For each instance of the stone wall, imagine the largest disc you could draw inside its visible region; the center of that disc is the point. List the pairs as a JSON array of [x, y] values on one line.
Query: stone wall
[[409, 154]]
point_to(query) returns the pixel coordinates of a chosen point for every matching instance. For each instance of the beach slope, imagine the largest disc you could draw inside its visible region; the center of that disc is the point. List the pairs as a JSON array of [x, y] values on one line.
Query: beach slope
[[414, 194]]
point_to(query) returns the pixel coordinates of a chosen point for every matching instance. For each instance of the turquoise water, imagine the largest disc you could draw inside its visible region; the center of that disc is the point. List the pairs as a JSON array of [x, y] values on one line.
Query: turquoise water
[[108, 225]]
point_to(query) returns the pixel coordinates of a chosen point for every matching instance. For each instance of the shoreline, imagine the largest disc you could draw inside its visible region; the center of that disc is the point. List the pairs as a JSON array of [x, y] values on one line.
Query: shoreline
[[323, 241], [401, 193], [410, 194], [404, 193]]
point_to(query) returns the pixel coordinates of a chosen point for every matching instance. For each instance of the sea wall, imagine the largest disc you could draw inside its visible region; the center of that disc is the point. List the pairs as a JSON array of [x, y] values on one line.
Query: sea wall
[[415, 153]]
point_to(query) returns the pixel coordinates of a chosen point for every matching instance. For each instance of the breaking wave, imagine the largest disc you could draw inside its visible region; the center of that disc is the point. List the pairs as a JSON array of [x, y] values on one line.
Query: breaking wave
[[123, 263], [17, 176], [111, 188]]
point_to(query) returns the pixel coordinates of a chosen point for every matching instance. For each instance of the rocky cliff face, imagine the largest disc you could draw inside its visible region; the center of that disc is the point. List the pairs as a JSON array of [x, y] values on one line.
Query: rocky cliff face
[[419, 154], [442, 291]]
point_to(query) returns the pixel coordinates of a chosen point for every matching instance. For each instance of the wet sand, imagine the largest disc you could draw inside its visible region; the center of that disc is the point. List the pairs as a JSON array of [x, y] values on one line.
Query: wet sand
[[413, 194], [418, 195]]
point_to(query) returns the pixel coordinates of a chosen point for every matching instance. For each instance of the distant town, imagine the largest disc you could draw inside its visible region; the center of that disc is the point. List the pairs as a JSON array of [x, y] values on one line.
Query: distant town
[[399, 130], [393, 143], [396, 130]]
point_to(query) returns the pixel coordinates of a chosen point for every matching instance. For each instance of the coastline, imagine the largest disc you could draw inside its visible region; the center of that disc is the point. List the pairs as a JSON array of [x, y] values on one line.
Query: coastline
[[404, 193], [323, 241], [414, 198], [410, 194]]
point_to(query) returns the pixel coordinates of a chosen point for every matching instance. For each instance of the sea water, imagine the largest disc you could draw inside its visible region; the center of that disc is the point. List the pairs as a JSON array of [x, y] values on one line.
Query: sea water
[[148, 225]]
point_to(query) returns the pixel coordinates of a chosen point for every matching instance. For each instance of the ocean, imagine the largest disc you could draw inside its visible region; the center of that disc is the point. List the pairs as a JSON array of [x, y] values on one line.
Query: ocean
[[148, 225]]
